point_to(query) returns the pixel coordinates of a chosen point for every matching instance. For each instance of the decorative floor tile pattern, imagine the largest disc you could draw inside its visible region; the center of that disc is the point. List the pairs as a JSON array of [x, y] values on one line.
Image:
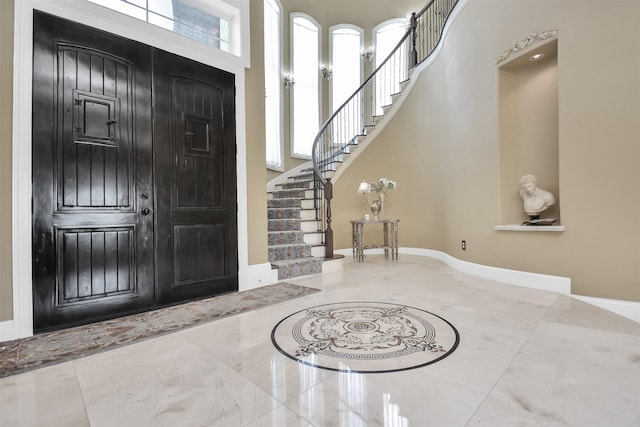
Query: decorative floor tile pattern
[[365, 337], [55, 347]]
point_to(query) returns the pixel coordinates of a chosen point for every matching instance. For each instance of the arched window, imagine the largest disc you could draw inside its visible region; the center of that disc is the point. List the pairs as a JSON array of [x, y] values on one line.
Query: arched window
[[346, 43], [386, 36], [273, 83], [305, 93]]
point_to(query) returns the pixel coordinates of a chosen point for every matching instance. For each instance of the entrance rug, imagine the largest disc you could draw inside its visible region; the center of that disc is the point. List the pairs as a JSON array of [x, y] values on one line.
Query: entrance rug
[[365, 337], [60, 346]]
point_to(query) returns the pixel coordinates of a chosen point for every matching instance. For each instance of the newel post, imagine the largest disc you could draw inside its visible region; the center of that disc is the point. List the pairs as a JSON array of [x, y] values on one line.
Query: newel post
[[413, 55], [328, 232]]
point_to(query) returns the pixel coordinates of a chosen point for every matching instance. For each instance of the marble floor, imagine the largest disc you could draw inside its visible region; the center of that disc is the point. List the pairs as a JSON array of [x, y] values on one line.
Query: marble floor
[[525, 358]]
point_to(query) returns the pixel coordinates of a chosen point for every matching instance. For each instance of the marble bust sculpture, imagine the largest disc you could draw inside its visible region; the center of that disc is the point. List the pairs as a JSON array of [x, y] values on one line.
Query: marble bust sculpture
[[534, 199]]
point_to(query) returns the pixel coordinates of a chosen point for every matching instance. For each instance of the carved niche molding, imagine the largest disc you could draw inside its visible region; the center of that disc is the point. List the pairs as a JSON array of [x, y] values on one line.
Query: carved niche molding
[[524, 43]]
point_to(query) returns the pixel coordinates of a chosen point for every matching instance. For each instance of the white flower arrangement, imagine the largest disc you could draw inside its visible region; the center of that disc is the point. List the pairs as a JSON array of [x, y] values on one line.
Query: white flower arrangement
[[382, 185]]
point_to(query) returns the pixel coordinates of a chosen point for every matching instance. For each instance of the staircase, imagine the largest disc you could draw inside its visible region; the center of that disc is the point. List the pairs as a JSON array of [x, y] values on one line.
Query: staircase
[[298, 205], [295, 242]]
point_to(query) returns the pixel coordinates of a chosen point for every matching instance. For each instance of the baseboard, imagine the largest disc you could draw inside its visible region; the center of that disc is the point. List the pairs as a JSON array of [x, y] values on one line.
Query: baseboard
[[525, 279], [7, 331], [256, 276], [628, 309], [562, 285]]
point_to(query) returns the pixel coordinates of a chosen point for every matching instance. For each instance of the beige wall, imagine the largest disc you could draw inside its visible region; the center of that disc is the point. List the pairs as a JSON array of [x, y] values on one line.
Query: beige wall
[[6, 101], [443, 147]]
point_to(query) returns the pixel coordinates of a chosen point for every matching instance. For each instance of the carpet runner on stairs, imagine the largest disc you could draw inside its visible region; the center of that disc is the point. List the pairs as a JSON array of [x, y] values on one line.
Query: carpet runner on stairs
[[287, 224]]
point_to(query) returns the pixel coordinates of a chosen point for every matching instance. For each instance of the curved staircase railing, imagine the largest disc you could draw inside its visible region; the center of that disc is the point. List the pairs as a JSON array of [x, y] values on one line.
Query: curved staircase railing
[[358, 114]]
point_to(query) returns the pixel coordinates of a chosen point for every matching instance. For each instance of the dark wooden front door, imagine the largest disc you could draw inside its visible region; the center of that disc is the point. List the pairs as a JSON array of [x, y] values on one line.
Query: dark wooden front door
[[196, 192], [101, 228]]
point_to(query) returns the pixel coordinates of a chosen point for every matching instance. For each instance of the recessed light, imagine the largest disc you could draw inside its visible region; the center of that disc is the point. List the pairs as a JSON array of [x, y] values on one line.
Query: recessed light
[[536, 57]]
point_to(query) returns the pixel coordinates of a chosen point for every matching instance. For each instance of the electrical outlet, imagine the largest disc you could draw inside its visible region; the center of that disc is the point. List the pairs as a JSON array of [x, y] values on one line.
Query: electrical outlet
[[464, 245]]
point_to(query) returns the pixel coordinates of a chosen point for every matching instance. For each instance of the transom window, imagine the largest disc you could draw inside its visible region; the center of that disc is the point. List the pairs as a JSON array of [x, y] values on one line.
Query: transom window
[[213, 22]]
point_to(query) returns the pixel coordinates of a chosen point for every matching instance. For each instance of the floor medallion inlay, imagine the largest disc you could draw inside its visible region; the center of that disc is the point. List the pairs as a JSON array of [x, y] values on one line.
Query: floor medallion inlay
[[367, 337]]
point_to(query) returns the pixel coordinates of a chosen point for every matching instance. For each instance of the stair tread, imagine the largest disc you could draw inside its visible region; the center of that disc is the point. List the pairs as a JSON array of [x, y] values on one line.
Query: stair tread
[[286, 245], [292, 198], [296, 260]]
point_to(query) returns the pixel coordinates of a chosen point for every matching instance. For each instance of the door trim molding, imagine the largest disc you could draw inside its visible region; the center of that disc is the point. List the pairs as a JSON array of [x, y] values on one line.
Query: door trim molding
[[21, 171], [85, 13]]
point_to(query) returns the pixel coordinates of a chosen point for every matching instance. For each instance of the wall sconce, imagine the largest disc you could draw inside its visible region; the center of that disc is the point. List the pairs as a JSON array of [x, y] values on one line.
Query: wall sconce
[[326, 72], [367, 54], [288, 81]]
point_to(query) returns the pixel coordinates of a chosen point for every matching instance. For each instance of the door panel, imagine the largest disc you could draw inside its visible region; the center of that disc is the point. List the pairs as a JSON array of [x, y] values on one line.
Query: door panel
[[192, 264], [95, 130], [94, 263], [197, 133], [93, 250], [196, 179]]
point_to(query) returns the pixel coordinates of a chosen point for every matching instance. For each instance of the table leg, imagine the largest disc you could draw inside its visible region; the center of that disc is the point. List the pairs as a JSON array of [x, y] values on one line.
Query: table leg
[[385, 233], [360, 242], [354, 243], [394, 242]]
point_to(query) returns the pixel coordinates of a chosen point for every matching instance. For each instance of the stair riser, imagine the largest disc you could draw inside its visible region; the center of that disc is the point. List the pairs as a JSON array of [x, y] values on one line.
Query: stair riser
[[307, 214], [307, 204], [308, 226], [312, 238], [334, 159], [349, 149], [310, 267], [318, 251]]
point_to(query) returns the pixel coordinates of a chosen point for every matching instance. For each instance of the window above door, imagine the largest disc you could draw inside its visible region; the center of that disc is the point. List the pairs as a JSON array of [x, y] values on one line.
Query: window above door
[[216, 23]]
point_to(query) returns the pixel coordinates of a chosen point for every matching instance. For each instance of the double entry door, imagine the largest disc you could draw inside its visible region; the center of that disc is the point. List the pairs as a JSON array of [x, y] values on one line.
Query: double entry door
[[134, 177]]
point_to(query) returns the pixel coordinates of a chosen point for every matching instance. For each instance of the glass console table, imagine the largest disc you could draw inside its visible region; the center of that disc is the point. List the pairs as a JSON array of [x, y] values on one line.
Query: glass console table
[[390, 237]]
